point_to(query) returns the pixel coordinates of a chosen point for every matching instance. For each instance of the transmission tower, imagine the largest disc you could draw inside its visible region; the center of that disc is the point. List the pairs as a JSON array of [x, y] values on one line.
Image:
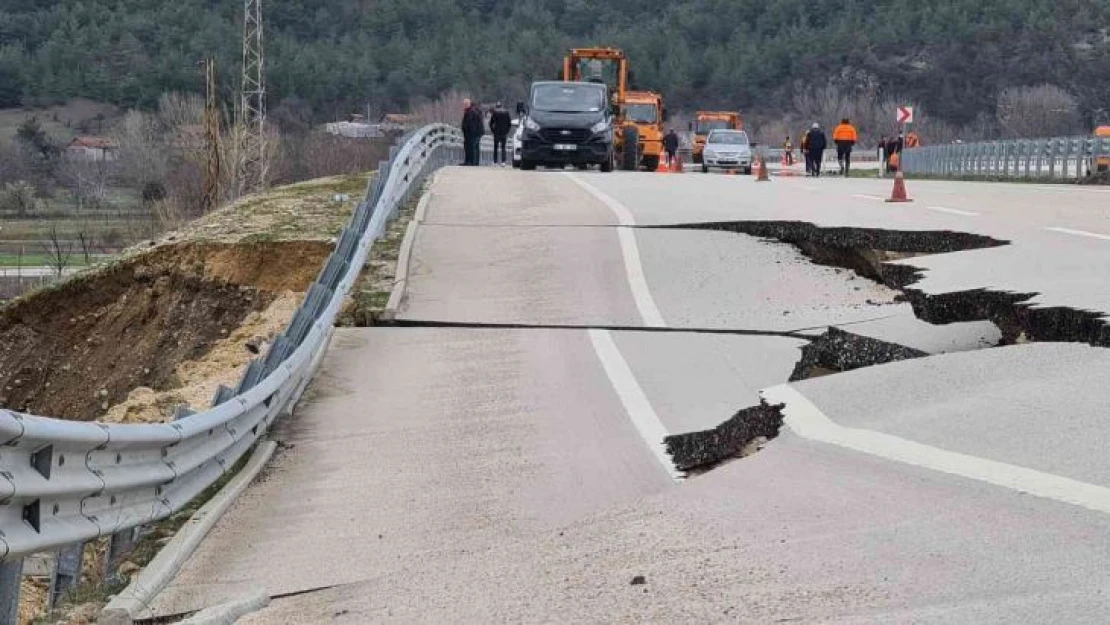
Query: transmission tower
[[252, 106], [210, 198]]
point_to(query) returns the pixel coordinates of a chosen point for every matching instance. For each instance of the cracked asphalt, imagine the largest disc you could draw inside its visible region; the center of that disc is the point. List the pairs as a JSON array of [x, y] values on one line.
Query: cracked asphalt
[[484, 474]]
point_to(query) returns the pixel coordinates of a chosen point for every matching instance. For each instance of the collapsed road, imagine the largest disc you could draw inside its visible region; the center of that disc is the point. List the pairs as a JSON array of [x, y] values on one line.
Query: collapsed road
[[694, 398]]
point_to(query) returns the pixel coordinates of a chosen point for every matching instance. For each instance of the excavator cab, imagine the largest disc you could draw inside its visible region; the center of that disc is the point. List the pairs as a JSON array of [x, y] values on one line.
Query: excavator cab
[[638, 139]]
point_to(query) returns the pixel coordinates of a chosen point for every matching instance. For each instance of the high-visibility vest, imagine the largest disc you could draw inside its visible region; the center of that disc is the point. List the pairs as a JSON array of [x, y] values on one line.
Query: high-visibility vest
[[912, 140]]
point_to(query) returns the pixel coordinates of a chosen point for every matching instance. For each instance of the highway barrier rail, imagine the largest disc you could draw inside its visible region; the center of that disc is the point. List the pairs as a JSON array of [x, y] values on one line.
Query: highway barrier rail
[[64, 482], [1060, 158]]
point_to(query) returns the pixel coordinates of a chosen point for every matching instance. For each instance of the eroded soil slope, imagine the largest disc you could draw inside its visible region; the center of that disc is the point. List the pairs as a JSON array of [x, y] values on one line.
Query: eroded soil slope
[[168, 321]]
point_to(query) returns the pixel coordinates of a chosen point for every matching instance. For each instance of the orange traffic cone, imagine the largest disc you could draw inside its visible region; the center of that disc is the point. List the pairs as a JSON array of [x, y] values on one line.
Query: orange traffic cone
[[662, 168], [899, 192], [763, 175], [676, 165]]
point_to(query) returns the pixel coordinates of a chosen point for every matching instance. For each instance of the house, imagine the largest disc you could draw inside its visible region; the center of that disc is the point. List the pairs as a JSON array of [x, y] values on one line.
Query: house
[[92, 149]]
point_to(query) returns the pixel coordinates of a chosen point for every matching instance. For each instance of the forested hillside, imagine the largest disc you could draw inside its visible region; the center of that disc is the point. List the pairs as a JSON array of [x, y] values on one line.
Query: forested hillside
[[953, 57]]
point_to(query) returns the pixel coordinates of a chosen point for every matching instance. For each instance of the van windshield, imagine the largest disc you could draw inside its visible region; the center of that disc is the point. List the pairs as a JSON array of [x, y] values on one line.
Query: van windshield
[[568, 98]]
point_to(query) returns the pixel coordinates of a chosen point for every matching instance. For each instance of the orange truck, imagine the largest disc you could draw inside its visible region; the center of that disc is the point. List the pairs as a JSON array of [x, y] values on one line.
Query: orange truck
[[706, 121], [638, 138]]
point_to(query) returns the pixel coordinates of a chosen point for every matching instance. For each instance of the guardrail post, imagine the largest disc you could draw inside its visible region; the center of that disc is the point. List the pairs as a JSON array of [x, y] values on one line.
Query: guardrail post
[[67, 572], [11, 575]]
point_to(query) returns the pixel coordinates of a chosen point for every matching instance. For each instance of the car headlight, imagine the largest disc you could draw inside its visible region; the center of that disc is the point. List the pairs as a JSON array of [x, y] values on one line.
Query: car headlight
[[530, 124], [599, 127]]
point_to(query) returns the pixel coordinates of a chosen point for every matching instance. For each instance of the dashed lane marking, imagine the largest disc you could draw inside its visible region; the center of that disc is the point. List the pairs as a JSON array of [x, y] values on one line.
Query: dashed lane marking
[[952, 211], [1080, 233]]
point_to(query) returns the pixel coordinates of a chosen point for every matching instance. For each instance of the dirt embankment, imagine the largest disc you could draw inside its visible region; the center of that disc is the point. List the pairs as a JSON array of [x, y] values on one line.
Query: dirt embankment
[[167, 322]]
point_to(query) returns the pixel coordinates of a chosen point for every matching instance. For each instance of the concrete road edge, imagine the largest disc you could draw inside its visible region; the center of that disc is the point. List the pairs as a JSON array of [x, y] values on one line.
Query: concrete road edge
[[404, 256], [128, 604]]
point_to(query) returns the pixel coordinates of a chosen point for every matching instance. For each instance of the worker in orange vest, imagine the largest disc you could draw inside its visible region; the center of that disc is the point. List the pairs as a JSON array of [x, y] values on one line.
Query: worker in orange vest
[[845, 136], [912, 140]]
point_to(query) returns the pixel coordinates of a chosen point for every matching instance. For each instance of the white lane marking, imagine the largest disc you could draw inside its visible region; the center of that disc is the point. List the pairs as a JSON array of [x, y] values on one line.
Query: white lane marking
[[868, 197], [1080, 233], [952, 211], [633, 267], [632, 396], [807, 421]]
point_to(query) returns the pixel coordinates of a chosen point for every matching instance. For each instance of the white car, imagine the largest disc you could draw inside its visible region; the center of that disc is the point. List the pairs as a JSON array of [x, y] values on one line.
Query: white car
[[517, 143], [727, 149]]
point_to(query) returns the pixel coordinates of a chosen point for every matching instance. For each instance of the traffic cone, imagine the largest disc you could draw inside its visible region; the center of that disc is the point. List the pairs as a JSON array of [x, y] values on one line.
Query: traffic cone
[[763, 175], [676, 165], [662, 168], [899, 192]]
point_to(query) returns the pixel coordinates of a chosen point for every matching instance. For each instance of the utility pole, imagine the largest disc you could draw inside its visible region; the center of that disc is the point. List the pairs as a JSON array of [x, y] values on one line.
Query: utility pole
[[210, 198], [252, 105]]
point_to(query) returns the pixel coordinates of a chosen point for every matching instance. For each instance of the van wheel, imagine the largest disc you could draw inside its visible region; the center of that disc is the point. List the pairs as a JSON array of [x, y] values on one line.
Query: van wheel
[[607, 165], [528, 165], [630, 151]]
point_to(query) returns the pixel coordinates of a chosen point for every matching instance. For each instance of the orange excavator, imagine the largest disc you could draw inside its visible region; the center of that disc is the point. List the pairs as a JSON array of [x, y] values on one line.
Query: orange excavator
[[706, 121], [640, 115]]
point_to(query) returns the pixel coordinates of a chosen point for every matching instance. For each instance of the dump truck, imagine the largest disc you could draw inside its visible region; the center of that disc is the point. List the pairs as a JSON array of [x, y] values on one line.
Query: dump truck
[[706, 121], [640, 115]]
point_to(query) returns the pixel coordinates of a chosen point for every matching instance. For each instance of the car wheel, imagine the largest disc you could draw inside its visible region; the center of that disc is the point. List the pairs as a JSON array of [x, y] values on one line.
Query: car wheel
[[630, 151], [747, 171], [607, 165], [528, 165], [651, 163]]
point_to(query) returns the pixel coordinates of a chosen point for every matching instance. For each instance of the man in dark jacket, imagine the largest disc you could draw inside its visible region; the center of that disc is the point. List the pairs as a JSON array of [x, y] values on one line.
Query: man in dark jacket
[[816, 142], [472, 128], [670, 146], [500, 123]]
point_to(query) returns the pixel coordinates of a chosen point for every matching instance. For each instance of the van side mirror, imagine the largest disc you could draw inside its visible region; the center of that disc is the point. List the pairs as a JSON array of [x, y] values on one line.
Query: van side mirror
[[521, 109]]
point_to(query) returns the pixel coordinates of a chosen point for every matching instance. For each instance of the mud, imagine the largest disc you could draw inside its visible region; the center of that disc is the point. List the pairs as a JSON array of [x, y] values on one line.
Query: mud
[[78, 348]]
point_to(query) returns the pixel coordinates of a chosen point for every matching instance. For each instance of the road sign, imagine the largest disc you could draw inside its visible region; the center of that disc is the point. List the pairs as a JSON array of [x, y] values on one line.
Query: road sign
[[905, 114]]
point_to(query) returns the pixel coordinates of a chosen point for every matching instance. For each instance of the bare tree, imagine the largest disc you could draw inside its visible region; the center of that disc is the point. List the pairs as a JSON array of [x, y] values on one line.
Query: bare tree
[[18, 197], [143, 158], [1041, 111], [57, 251], [446, 109]]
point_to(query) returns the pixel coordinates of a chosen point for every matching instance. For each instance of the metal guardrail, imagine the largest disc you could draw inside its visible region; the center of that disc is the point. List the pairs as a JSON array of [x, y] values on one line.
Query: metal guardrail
[[1059, 158], [63, 482]]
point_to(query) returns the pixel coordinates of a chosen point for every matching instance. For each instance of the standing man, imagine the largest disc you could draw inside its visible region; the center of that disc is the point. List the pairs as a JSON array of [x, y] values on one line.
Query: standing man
[[816, 142], [499, 126], [804, 145], [845, 137], [670, 145], [472, 128], [788, 151]]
